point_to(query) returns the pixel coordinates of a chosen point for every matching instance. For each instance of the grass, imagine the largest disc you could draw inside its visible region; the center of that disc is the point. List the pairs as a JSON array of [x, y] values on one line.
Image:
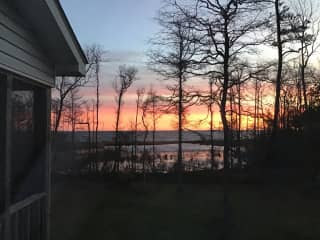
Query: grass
[[88, 210]]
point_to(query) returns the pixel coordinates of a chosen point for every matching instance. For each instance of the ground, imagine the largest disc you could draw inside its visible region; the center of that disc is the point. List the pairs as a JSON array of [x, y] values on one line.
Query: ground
[[83, 209]]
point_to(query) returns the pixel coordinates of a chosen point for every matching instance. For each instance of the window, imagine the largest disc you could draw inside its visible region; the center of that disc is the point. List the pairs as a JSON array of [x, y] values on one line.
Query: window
[[23, 135], [27, 140]]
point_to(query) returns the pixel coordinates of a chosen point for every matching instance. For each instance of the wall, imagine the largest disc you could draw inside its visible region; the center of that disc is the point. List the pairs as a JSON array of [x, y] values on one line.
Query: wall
[[20, 52]]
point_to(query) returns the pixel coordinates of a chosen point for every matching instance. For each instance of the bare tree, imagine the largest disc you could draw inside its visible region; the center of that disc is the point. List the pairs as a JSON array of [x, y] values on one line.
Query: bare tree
[[209, 99], [140, 93], [95, 54], [286, 31], [144, 155], [74, 113], [174, 48], [225, 32], [237, 78], [211, 110], [307, 36], [126, 76], [63, 87], [154, 109]]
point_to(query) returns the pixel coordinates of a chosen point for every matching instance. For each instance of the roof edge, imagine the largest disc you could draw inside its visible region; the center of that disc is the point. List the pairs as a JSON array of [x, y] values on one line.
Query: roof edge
[[73, 35]]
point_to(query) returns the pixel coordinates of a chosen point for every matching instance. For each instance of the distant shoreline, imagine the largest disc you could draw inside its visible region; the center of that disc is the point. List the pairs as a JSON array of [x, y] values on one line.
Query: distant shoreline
[[106, 138], [142, 131], [148, 143]]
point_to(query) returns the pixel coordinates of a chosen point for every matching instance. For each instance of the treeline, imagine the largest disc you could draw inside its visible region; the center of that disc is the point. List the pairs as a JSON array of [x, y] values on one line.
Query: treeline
[[249, 52], [258, 58]]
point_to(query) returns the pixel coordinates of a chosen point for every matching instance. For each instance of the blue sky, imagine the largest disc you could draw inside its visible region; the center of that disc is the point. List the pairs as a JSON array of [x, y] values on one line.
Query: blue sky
[[123, 28], [119, 25]]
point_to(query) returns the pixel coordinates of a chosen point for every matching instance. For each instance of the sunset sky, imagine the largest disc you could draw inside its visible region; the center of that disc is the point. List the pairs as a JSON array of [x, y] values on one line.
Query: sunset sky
[[124, 28]]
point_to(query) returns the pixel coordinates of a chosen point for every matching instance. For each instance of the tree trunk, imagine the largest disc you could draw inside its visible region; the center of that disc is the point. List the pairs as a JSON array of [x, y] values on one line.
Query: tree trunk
[[211, 126], [239, 126], [97, 110], [59, 114], [224, 102], [226, 132], [279, 73], [180, 112], [255, 108], [153, 133], [73, 127], [136, 133], [144, 155], [116, 166], [303, 82], [231, 131]]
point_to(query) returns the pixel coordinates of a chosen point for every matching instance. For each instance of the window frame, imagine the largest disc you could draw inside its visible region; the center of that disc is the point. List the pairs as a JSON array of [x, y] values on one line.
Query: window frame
[[42, 103]]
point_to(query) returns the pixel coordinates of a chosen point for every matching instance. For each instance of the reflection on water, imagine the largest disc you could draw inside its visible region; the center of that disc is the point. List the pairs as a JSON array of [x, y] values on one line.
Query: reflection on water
[[195, 157]]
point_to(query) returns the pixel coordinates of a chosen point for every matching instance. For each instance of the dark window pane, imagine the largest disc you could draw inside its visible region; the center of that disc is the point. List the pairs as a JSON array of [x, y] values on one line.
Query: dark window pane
[[22, 112], [27, 160]]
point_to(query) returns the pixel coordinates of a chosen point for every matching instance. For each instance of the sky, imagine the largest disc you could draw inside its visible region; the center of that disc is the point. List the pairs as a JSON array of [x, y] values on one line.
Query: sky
[[123, 28], [119, 25]]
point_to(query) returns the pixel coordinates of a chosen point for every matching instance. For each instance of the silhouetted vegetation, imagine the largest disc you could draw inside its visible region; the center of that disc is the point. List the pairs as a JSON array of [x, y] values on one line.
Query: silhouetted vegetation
[[264, 145]]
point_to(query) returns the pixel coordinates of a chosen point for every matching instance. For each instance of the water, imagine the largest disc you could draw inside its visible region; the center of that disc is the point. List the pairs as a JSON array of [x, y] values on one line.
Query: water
[[160, 136], [195, 156]]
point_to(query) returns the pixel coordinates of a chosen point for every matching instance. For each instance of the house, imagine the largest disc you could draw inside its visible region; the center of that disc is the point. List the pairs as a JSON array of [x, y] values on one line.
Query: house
[[36, 45]]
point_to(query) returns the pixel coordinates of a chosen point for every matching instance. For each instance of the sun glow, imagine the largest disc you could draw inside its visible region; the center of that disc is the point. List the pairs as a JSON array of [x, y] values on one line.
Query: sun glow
[[195, 121], [197, 117]]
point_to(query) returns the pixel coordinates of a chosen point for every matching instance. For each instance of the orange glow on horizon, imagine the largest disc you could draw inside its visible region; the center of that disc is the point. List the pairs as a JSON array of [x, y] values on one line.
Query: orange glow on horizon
[[197, 116], [195, 121]]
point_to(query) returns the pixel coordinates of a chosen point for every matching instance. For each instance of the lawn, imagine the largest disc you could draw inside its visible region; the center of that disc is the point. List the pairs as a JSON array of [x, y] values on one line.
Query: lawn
[[89, 210]]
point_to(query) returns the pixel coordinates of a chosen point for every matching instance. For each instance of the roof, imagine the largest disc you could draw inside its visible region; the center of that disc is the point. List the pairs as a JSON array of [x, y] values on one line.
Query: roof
[[71, 31], [54, 31]]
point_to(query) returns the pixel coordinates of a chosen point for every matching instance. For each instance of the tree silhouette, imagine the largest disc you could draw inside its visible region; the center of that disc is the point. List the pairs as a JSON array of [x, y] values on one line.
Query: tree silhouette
[[174, 49], [126, 76]]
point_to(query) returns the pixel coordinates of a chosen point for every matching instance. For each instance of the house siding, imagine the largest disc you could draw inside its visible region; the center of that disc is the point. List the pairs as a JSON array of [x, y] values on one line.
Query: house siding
[[20, 52]]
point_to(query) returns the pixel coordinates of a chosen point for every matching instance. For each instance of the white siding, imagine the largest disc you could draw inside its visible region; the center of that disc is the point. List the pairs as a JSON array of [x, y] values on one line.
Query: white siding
[[19, 50]]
